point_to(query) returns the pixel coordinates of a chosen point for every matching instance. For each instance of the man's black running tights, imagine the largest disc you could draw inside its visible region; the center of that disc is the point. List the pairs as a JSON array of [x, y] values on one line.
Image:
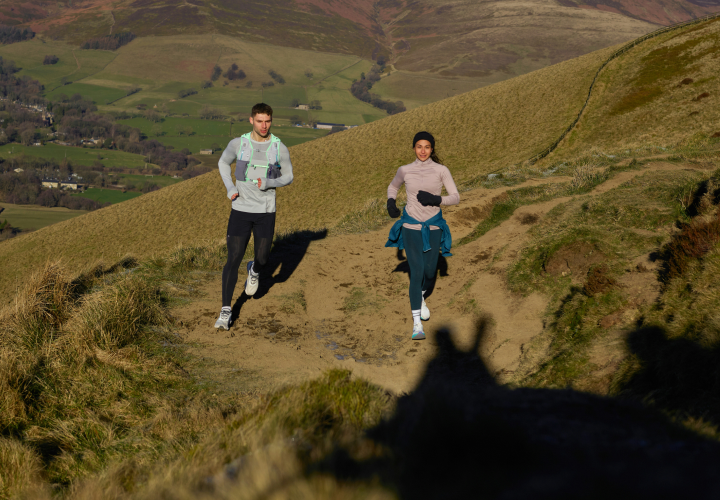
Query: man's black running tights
[[240, 226]]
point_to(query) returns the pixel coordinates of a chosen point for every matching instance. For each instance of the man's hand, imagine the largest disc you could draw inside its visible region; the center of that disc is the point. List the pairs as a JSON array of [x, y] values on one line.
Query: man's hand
[[234, 196]]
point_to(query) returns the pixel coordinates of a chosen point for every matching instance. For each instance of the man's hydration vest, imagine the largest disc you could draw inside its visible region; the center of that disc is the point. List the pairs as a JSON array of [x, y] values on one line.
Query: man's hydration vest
[[249, 169]]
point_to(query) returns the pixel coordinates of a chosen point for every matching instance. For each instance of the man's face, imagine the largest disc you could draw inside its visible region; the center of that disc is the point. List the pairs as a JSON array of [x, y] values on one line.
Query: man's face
[[261, 124]]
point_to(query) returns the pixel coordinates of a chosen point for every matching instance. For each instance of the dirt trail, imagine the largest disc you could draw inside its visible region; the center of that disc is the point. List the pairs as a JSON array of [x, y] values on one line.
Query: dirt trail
[[356, 311]]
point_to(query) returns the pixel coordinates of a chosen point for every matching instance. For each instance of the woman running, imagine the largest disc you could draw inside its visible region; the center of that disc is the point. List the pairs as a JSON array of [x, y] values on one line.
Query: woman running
[[422, 231]]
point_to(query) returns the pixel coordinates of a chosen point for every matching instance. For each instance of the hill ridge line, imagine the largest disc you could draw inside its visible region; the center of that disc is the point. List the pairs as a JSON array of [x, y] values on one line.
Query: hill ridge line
[[613, 56]]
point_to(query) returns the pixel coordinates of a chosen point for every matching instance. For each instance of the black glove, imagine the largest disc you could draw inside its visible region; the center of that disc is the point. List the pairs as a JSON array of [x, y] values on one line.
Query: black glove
[[392, 209], [429, 200]]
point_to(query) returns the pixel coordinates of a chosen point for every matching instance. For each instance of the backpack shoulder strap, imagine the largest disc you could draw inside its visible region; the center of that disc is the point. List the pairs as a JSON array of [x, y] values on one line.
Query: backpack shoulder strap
[[275, 144], [244, 145]]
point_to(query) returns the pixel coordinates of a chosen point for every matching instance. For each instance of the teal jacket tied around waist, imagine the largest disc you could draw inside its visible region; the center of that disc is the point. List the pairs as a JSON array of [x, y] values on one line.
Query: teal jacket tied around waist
[[395, 238]]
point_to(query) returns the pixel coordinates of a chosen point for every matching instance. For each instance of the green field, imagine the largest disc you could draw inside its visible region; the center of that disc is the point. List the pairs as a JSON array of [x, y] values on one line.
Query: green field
[[76, 155], [141, 180], [162, 66], [205, 133], [74, 64], [108, 195], [96, 93], [31, 217]]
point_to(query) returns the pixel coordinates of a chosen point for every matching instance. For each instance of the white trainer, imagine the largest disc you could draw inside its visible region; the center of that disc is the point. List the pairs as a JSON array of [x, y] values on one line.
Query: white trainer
[[253, 279], [224, 320], [424, 311], [418, 332]]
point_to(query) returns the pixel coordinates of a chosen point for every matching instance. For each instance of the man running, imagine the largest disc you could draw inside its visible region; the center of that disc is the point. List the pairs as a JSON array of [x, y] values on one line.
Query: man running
[[262, 164]]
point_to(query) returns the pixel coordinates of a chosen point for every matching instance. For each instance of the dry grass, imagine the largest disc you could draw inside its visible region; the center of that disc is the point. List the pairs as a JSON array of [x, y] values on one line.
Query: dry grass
[[82, 377], [477, 132], [264, 450], [651, 95]]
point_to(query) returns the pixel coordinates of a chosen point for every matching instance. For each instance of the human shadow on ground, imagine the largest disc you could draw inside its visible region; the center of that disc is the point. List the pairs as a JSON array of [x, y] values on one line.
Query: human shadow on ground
[[679, 376], [287, 253], [461, 435]]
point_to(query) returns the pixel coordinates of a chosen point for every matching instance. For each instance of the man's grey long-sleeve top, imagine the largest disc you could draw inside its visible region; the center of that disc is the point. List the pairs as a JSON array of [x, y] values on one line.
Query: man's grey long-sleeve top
[[251, 198]]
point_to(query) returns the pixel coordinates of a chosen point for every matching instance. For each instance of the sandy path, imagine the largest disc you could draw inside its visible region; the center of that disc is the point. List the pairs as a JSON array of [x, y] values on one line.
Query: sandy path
[[275, 340]]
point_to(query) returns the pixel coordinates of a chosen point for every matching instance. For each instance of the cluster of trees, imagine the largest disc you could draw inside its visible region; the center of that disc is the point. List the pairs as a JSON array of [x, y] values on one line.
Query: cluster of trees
[[53, 59], [361, 90], [210, 113], [278, 78], [109, 42], [7, 231], [133, 90], [26, 188], [12, 34], [234, 73], [20, 124], [23, 89], [186, 92], [267, 84]]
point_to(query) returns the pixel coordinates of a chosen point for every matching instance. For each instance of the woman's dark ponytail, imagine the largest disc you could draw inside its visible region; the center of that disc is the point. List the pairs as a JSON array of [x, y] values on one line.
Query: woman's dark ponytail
[[434, 157]]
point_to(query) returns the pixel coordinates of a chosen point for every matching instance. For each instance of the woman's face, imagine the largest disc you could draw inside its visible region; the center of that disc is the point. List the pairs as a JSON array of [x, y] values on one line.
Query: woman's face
[[423, 150]]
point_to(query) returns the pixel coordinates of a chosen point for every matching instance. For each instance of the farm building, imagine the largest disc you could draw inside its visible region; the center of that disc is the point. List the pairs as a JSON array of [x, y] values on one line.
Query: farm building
[[50, 183], [206, 151], [328, 126]]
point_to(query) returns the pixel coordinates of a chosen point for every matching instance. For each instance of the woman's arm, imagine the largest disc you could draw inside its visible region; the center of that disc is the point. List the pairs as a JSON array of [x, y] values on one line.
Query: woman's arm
[[392, 190], [453, 197]]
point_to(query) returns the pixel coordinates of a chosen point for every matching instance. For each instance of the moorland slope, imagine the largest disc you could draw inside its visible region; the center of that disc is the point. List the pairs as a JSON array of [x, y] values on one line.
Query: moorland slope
[[489, 40], [478, 132]]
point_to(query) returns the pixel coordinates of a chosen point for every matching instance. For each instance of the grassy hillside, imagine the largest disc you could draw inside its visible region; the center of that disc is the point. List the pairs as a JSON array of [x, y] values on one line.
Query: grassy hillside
[[478, 132], [661, 92]]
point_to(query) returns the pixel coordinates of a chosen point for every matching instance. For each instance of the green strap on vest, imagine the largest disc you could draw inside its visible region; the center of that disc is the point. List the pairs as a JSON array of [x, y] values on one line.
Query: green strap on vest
[[273, 142]]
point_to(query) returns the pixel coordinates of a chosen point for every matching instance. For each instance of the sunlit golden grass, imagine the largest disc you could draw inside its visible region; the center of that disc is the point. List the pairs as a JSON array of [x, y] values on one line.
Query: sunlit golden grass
[[650, 94], [477, 132], [84, 379], [265, 448]]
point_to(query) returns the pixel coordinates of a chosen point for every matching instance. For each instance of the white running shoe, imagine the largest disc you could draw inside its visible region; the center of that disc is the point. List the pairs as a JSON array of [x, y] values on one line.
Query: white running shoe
[[424, 312], [224, 320], [418, 332], [253, 280]]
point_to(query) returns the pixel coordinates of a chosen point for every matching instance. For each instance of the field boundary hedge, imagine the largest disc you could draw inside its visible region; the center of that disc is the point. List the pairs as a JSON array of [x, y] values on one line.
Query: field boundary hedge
[[614, 55]]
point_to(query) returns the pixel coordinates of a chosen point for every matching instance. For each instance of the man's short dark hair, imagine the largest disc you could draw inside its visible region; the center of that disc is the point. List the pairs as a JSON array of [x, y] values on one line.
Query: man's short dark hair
[[261, 109]]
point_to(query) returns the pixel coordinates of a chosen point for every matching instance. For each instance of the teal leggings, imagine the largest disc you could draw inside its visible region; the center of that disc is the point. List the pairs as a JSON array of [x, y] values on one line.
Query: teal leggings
[[423, 265]]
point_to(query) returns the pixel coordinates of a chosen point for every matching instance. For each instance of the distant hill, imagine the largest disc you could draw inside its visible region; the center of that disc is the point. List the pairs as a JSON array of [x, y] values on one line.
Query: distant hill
[[477, 132], [494, 39]]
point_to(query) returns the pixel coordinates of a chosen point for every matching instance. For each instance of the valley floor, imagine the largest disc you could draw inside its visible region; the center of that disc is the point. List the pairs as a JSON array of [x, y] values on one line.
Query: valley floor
[[341, 302]]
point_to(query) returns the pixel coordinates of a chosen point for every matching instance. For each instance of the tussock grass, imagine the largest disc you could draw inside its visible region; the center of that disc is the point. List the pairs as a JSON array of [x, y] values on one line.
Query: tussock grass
[[639, 99], [266, 448], [21, 468], [621, 224], [85, 379], [501, 208], [673, 356]]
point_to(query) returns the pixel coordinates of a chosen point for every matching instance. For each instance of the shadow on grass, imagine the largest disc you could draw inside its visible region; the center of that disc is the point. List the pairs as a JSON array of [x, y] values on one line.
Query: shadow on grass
[[676, 375], [461, 435], [287, 253]]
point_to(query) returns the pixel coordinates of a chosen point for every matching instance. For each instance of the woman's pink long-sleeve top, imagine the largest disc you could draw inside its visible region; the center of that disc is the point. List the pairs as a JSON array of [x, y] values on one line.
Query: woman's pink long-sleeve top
[[424, 176]]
